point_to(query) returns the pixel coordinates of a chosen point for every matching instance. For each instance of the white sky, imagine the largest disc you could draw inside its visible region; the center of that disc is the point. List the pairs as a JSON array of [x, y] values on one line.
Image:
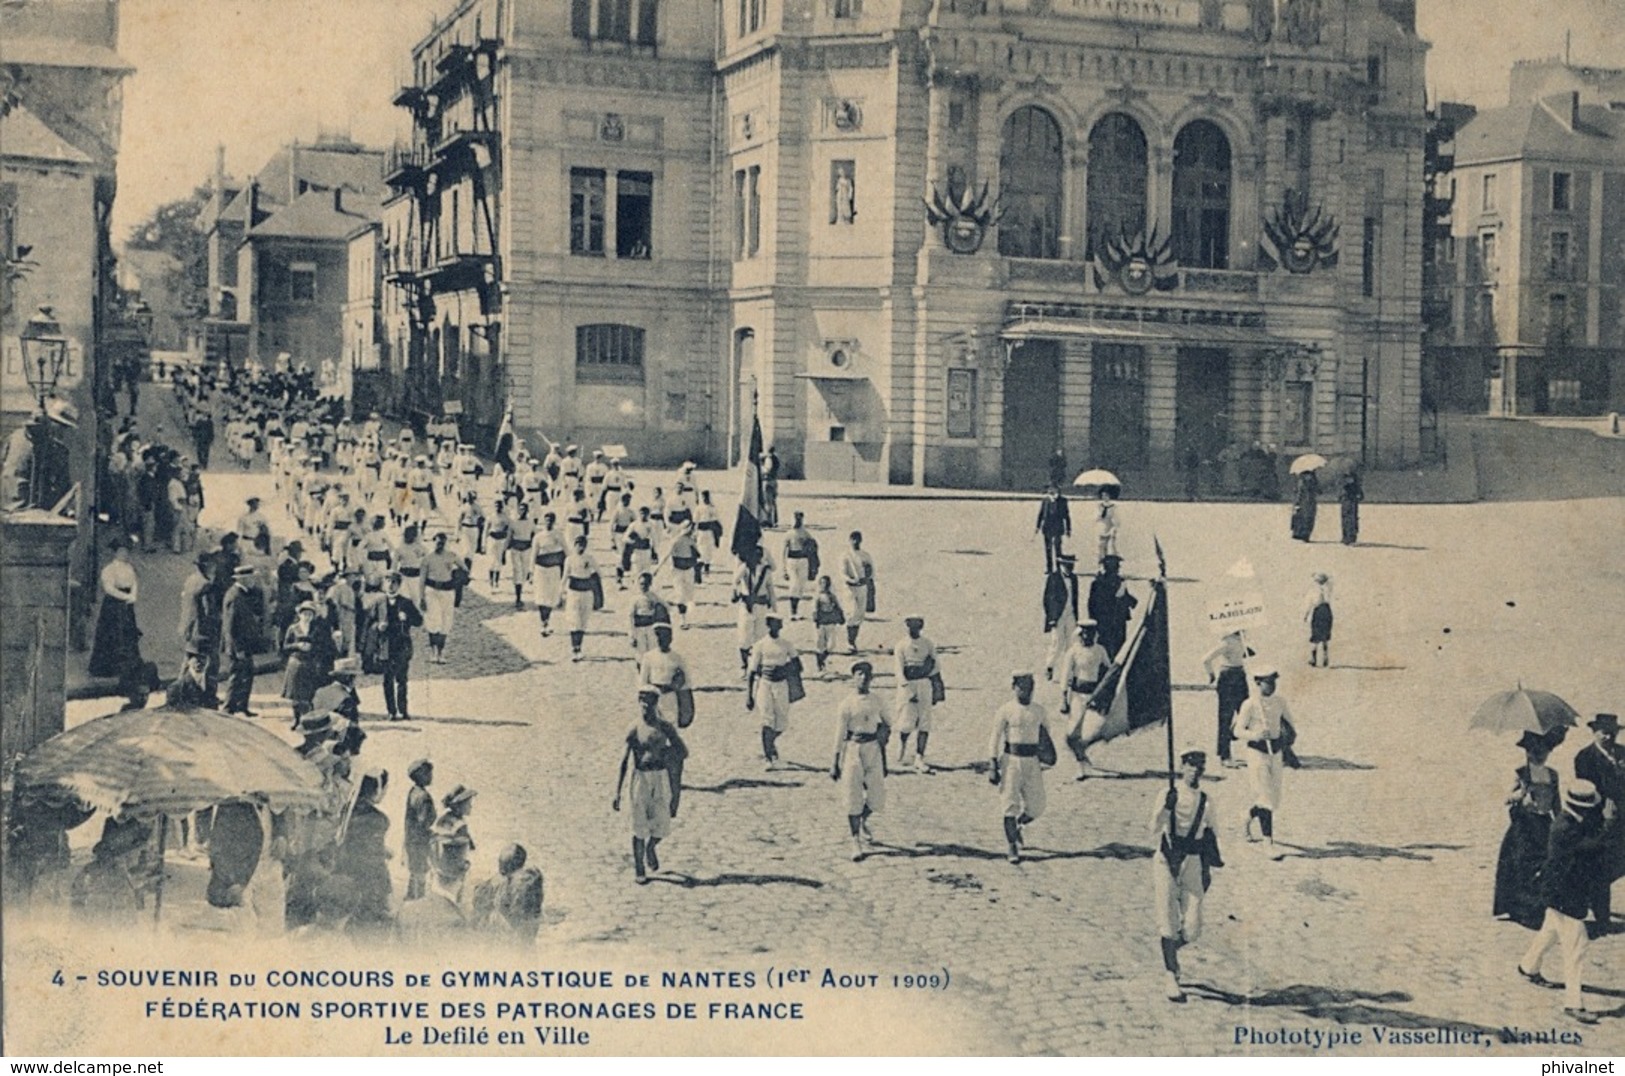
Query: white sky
[[255, 74]]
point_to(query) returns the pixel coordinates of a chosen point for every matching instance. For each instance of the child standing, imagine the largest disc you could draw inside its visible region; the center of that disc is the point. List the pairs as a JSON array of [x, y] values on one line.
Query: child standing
[[1317, 613]]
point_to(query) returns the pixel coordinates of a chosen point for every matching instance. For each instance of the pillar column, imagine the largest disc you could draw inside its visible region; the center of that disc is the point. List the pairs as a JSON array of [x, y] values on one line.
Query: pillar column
[[1161, 375], [1077, 372]]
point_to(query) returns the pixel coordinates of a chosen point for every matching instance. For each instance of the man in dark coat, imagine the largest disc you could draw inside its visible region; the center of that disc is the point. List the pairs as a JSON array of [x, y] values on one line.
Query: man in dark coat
[[240, 634], [203, 436], [200, 617], [1054, 524], [1602, 762], [1111, 605], [1567, 880], [396, 617]]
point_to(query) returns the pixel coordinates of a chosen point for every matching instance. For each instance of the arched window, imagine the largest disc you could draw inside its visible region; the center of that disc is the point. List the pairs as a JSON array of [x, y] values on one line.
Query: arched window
[[1030, 177], [1202, 196], [1117, 180]]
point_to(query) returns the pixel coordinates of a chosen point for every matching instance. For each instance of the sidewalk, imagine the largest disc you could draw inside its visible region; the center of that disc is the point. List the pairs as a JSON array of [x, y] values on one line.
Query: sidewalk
[[162, 574]]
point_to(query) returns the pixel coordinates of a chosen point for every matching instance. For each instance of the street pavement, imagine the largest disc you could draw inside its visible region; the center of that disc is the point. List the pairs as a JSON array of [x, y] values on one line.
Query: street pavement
[[1377, 912]]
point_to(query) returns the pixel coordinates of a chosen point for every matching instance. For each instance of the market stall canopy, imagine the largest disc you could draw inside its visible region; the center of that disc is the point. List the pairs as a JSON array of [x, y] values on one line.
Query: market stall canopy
[[146, 763]]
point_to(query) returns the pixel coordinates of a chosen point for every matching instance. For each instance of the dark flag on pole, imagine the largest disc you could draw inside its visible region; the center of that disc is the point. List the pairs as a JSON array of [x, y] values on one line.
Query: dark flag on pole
[[748, 526], [504, 450], [1138, 691]]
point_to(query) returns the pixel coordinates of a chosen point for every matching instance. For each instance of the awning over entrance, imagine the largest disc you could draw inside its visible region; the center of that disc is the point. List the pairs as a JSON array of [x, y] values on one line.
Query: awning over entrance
[[1141, 332]]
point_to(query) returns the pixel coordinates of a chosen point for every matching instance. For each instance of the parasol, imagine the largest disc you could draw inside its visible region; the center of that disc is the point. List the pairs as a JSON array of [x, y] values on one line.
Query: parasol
[[1309, 461], [1523, 709], [1098, 479], [146, 763]]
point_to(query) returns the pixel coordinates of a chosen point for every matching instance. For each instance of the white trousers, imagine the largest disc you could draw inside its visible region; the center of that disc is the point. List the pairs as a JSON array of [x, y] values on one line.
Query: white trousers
[[1178, 900], [1560, 929]]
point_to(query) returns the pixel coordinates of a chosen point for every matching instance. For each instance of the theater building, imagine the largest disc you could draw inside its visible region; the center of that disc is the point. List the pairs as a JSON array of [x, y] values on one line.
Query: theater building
[[934, 242]]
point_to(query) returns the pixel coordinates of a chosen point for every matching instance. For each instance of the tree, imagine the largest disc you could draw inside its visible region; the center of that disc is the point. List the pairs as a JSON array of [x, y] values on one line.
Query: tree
[[171, 254]]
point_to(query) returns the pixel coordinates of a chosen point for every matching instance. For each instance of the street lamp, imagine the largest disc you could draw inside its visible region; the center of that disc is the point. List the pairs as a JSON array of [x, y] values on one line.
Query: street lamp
[[45, 352]]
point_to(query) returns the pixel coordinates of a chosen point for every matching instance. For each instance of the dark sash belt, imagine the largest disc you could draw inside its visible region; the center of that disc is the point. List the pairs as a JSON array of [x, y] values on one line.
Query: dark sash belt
[[862, 737], [377, 555], [523, 543], [777, 674], [411, 573], [436, 585], [1022, 750], [1083, 686], [916, 672], [550, 560], [581, 584]]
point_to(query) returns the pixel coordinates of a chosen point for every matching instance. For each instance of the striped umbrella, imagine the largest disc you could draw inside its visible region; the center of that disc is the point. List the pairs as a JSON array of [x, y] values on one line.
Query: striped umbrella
[[147, 763]]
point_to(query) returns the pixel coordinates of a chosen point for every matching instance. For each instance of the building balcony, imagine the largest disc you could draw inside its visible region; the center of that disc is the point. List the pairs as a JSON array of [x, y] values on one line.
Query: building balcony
[[460, 271], [464, 63], [406, 167], [414, 98], [457, 149]]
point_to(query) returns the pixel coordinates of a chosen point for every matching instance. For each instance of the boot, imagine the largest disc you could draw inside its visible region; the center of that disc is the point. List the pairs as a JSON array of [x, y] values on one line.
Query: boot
[[637, 860], [576, 639], [1012, 837], [767, 748], [649, 855], [1170, 962], [920, 764], [851, 639]]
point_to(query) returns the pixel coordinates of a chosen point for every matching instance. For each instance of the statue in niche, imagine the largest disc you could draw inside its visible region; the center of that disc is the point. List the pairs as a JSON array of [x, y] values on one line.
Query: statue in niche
[[843, 207], [956, 183]]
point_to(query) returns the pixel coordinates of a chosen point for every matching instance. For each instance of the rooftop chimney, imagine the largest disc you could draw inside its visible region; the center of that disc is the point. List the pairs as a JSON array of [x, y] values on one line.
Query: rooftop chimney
[[1574, 110], [253, 202], [338, 199]]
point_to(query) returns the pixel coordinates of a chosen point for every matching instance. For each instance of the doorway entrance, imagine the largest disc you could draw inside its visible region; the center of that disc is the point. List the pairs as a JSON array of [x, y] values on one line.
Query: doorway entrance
[[1032, 412], [1118, 438], [1202, 402]]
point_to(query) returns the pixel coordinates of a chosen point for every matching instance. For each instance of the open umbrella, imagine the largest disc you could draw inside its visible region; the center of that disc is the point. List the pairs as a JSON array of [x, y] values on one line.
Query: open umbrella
[[1523, 709], [154, 763], [1309, 461], [1098, 479]]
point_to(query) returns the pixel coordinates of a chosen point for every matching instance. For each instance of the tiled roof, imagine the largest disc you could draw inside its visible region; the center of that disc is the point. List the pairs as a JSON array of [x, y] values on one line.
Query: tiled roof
[[23, 134], [1535, 129], [313, 216]]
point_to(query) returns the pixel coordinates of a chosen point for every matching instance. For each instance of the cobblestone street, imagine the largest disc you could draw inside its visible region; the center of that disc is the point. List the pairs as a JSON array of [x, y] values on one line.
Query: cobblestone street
[[1377, 912]]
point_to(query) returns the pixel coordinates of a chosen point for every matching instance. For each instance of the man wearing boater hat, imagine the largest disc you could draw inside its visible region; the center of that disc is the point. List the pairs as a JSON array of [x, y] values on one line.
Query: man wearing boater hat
[[1567, 881], [1187, 850], [1602, 762]]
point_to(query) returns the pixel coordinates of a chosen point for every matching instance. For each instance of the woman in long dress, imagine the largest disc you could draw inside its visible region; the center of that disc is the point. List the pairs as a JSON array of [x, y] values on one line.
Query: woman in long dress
[[117, 647], [303, 675], [1349, 498], [1531, 805], [1304, 506]]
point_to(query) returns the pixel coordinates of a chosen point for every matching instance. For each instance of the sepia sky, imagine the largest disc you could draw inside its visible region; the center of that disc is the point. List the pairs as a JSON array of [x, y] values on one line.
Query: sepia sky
[[253, 74]]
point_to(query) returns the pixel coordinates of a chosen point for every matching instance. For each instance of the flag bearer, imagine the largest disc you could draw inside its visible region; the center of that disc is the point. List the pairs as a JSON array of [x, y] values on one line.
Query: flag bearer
[[753, 592], [1187, 850]]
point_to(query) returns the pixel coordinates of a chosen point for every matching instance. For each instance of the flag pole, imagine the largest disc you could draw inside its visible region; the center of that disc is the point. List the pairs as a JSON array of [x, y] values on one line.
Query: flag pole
[[1160, 594]]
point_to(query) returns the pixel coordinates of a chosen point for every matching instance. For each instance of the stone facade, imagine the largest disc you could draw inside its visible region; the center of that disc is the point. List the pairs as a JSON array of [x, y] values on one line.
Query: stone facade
[[1109, 295]]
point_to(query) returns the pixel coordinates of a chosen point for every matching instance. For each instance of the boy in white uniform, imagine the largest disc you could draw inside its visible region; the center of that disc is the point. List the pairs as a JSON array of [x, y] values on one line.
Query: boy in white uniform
[[1019, 728], [916, 661], [774, 663], [860, 757], [1187, 849]]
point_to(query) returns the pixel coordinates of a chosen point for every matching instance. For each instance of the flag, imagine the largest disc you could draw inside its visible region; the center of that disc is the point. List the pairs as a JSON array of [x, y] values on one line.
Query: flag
[[504, 450], [748, 526], [1137, 692]]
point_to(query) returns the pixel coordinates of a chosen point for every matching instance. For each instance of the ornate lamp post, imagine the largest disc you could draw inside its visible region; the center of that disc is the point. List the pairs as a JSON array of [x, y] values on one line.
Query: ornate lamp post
[[45, 352]]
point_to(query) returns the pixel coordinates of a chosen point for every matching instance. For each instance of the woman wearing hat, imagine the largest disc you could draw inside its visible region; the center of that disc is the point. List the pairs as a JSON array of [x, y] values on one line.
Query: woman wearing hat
[[861, 733], [651, 747], [1260, 725], [117, 646], [362, 855], [1567, 880], [451, 840], [303, 674], [1532, 805]]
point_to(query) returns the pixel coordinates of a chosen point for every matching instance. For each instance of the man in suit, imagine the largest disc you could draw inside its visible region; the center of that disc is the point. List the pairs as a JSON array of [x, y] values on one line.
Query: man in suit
[[240, 634], [396, 617], [1602, 762], [200, 617], [1054, 525], [1111, 605], [1567, 881]]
